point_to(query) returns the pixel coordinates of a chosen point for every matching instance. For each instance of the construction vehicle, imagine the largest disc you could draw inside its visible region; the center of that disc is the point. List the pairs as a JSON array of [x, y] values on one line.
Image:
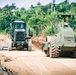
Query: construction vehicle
[[20, 36], [64, 41]]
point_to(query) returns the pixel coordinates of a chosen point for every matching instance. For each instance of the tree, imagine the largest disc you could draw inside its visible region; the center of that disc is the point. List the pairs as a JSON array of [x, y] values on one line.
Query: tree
[[13, 7], [66, 1], [38, 4], [39, 18], [32, 6]]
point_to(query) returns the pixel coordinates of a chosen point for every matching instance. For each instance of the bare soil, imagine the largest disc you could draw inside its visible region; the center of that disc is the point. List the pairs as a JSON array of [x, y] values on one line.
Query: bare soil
[[37, 42], [35, 62], [3, 39]]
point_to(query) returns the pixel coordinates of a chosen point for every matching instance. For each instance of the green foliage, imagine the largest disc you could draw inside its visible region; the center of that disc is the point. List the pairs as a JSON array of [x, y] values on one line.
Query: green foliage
[[39, 18], [32, 6], [50, 30], [33, 31]]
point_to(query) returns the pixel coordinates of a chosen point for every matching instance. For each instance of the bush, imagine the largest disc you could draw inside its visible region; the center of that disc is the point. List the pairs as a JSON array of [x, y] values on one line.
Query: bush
[[49, 30]]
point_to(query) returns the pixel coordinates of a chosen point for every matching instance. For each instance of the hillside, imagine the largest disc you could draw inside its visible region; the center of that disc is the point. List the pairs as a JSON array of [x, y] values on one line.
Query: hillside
[[40, 19]]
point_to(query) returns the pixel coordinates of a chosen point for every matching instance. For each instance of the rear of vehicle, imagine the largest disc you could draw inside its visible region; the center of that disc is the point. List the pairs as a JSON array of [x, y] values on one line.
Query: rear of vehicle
[[66, 39]]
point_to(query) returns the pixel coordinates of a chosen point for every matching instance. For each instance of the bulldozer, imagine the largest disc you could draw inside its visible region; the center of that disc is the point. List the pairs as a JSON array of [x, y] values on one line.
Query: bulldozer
[[19, 36], [63, 43]]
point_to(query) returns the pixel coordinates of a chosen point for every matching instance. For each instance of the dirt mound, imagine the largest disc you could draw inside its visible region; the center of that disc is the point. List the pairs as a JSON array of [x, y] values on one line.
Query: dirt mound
[[3, 39], [37, 41]]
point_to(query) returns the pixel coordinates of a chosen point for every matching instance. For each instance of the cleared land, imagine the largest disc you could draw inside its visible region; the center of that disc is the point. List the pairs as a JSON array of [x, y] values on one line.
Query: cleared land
[[35, 62]]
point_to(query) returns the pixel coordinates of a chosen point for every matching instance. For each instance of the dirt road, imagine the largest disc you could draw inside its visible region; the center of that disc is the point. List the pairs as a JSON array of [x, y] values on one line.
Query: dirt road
[[36, 63]]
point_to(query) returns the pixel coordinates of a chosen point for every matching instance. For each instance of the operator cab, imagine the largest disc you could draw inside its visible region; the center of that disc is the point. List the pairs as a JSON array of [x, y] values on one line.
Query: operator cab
[[19, 25]]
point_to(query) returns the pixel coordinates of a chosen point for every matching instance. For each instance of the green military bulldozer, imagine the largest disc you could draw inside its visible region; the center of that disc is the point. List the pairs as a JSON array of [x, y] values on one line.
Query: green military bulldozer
[[19, 37], [64, 42]]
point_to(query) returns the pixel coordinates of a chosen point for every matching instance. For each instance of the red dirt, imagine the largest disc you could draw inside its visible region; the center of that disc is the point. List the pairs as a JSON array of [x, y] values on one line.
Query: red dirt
[[3, 39], [37, 41]]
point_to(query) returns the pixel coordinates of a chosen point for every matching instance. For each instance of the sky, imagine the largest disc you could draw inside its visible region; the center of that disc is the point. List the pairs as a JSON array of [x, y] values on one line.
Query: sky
[[27, 3]]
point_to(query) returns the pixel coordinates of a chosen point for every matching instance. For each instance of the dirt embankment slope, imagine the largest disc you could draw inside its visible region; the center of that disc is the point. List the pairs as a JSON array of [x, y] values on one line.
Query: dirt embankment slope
[[3, 39], [37, 41]]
